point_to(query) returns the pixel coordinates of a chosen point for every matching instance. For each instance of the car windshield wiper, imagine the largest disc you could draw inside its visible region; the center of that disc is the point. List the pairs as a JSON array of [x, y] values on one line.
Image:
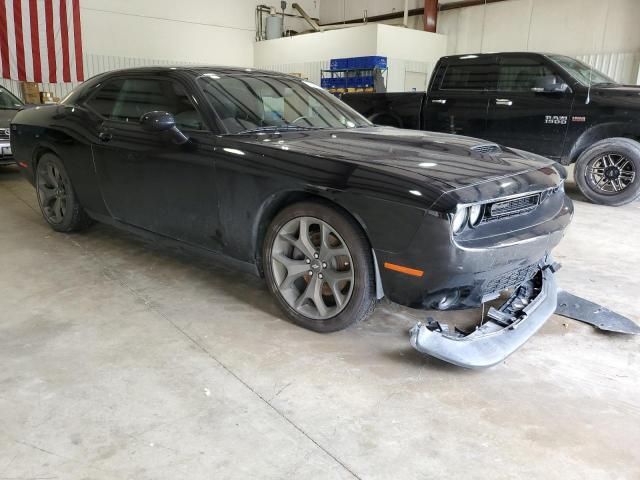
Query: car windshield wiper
[[276, 128]]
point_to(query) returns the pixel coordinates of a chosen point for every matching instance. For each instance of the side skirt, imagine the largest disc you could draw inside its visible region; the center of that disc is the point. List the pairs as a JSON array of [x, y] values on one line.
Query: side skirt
[[172, 243]]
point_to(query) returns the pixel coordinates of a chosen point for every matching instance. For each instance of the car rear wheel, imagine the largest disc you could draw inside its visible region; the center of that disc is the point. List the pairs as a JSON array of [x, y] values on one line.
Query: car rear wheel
[[58, 202], [318, 265], [607, 172]]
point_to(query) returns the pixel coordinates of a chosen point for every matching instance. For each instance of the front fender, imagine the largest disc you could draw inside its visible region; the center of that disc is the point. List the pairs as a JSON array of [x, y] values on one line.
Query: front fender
[[626, 128]]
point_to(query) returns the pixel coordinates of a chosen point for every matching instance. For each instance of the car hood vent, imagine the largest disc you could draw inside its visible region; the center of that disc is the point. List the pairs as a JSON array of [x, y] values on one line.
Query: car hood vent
[[487, 148]]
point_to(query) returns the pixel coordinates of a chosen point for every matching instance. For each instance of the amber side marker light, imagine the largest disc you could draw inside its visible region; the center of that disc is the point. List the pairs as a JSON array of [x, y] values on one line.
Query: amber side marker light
[[406, 270]]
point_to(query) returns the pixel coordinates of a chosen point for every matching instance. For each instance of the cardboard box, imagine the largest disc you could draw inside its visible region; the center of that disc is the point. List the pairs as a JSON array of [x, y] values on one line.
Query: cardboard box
[[46, 97], [299, 75], [30, 92]]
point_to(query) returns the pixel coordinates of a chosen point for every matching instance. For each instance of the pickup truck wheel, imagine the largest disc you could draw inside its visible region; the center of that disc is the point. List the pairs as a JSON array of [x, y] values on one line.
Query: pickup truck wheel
[[57, 199], [318, 265], [607, 172]]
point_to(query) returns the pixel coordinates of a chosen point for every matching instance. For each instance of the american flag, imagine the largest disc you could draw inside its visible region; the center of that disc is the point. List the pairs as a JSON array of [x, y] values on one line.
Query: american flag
[[41, 41]]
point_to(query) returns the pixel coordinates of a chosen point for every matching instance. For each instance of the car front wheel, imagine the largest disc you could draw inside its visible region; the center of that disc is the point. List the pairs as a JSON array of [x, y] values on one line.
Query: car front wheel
[[607, 172], [319, 266]]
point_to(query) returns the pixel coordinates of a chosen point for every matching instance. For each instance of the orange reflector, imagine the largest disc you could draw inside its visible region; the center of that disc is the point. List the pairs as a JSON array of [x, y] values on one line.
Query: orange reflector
[[406, 270]]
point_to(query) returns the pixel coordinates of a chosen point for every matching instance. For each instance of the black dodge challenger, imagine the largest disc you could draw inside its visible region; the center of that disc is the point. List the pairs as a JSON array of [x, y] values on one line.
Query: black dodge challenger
[[277, 176]]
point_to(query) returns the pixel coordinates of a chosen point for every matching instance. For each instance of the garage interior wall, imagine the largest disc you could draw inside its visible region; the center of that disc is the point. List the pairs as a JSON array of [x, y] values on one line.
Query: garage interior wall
[[603, 33], [411, 54], [125, 33]]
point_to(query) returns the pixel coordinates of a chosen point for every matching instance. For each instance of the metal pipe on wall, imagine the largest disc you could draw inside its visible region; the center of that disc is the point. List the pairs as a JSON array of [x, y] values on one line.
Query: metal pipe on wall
[[405, 22]]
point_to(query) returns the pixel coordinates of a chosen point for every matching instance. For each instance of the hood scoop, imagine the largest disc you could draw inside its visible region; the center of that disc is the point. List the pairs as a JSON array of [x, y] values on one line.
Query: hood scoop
[[487, 148]]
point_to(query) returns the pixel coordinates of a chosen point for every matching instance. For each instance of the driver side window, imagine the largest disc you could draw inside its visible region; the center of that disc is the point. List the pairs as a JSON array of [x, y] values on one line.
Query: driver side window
[[521, 74], [127, 99]]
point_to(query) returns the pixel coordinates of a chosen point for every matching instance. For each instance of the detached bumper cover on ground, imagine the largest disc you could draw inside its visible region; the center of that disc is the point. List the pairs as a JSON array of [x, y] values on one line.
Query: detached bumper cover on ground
[[498, 337]]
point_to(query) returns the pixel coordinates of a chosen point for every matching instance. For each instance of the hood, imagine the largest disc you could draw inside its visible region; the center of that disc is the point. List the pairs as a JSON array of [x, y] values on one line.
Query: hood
[[6, 116], [627, 95], [448, 162]]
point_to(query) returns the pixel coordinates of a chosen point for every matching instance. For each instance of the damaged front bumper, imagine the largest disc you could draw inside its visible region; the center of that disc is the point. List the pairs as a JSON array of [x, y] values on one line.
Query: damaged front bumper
[[506, 329]]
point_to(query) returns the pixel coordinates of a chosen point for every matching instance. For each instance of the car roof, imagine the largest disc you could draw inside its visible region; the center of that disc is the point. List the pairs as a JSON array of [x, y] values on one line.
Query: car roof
[[491, 54], [198, 70]]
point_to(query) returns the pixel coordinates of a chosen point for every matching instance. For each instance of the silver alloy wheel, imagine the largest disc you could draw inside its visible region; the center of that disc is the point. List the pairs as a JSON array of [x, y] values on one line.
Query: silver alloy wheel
[[52, 189], [312, 268], [610, 174]]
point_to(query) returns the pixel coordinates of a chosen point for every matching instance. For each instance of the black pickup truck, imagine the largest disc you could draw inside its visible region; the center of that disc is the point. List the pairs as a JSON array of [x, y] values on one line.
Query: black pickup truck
[[551, 105]]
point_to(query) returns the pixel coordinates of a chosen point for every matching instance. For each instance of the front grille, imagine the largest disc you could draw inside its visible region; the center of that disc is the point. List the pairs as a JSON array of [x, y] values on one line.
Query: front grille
[[515, 206], [511, 279], [487, 148], [5, 133]]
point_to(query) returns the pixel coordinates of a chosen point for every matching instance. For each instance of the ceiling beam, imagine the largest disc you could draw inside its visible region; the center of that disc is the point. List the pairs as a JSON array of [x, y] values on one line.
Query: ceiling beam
[[466, 3], [430, 15], [414, 12]]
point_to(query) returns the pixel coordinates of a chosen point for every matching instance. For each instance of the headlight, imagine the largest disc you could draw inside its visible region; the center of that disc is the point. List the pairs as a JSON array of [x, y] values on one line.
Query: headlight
[[459, 219], [475, 215]]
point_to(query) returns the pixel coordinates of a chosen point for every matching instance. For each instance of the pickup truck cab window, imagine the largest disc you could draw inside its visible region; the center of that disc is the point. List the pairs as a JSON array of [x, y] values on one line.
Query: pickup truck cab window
[[469, 76], [521, 74]]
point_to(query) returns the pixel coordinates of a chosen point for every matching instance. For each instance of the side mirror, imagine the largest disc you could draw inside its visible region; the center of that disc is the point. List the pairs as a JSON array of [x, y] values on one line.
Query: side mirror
[[550, 84], [163, 122]]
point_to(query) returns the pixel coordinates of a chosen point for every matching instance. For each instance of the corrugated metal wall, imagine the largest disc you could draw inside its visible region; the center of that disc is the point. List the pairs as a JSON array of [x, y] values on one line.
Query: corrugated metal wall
[[621, 66], [93, 65]]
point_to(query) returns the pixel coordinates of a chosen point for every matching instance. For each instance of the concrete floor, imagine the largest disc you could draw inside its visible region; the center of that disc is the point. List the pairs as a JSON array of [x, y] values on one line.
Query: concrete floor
[[121, 360]]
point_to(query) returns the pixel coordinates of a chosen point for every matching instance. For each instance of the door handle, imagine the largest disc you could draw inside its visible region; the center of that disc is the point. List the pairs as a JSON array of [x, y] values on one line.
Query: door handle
[[105, 136], [440, 101], [504, 101]]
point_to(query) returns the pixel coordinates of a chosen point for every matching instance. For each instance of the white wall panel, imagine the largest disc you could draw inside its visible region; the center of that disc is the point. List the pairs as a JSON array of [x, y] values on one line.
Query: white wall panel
[[341, 10], [604, 31], [195, 31], [406, 50]]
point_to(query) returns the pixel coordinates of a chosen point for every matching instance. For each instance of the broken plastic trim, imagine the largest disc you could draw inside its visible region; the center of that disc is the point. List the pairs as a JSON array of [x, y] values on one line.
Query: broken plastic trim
[[577, 308], [506, 330]]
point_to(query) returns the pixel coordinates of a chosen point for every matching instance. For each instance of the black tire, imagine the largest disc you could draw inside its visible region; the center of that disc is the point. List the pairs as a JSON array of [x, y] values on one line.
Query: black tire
[[362, 300], [618, 148], [56, 197]]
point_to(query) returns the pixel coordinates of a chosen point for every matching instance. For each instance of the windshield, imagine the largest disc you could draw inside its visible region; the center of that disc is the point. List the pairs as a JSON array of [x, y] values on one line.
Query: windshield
[[585, 74], [247, 103], [8, 100]]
